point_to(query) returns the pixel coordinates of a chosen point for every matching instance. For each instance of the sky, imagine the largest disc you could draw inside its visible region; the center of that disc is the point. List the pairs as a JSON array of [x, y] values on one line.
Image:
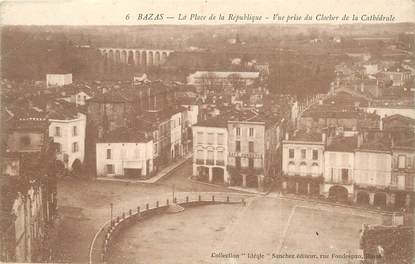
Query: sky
[[107, 12]]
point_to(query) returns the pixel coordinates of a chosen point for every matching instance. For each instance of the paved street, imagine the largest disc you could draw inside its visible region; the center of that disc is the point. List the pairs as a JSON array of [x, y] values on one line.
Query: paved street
[[85, 205], [265, 225]]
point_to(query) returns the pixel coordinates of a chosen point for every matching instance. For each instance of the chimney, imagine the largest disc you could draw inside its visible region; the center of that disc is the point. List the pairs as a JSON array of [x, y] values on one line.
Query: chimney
[[381, 123], [286, 136], [323, 137]]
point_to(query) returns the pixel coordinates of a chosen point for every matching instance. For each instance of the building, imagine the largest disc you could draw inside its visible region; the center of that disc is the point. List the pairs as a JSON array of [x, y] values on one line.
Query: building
[[253, 142], [339, 158], [210, 151], [303, 162], [238, 148], [28, 207], [398, 75], [53, 80], [403, 171], [159, 123], [176, 147], [125, 152], [322, 116], [68, 128], [109, 111], [398, 122], [373, 170], [78, 98], [210, 79]]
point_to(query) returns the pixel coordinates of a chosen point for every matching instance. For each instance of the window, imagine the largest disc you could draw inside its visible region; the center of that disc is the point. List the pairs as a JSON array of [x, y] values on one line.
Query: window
[[220, 158], [210, 138], [200, 137], [251, 146], [238, 131], [108, 153], [57, 131], [220, 139], [303, 154], [238, 146], [251, 131], [180, 121], [251, 163], [110, 169], [345, 175], [291, 153], [238, 162], [210, 157], [75, 147], [74, 131], [331, 174], [315, 154], [401, 161], [58, 147]]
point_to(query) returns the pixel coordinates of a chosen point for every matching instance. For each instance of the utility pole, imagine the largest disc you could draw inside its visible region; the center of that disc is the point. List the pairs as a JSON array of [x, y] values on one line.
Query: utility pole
[[173, 187]]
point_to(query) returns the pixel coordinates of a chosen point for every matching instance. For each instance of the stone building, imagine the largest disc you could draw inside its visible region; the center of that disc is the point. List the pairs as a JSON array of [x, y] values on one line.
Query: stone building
[[303, 162]]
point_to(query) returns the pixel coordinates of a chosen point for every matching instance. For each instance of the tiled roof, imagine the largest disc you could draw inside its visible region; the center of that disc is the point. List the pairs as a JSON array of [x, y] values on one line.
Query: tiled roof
[[306, 136], [125, 135], [110, 97], [342, 144]]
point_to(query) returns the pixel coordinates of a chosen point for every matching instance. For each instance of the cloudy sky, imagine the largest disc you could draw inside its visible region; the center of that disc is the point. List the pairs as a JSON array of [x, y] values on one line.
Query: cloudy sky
[[107, 12]]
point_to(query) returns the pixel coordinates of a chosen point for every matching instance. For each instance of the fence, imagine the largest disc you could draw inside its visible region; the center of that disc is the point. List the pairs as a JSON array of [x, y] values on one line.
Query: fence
[[101, 244]]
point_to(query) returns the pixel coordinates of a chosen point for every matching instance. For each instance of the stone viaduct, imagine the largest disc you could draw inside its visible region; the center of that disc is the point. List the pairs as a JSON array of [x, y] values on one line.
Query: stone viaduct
[[135, 57]]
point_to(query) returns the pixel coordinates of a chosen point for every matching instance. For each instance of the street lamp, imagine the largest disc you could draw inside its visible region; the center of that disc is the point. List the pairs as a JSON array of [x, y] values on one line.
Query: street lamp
[[111, 212]]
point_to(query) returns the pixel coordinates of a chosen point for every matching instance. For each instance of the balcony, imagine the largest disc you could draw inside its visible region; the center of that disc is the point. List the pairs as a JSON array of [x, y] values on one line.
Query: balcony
[[220, 162], [200, 162], [407, 187], [343, 182], [246, 170], [210, 162], [312, 175]]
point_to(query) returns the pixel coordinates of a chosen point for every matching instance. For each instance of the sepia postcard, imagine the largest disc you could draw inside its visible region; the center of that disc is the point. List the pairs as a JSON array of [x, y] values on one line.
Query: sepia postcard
[[207, 131]]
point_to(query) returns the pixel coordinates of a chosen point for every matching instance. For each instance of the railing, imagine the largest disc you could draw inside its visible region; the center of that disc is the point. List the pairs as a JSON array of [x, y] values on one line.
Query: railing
[[101, 243], [345, 182], [220, 162], [200, 162], [407, 187], [210, 162]]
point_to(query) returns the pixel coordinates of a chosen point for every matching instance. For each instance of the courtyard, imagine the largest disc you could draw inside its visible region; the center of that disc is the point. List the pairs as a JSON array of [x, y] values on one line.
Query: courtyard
[[260, 232]]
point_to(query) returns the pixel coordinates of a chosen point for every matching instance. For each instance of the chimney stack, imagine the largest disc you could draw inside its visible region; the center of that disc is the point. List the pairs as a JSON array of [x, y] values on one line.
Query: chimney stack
[[286, 136]]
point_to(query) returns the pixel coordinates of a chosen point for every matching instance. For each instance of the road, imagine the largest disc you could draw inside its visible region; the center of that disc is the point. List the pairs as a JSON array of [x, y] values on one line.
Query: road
[[265, 226], [84, 205]]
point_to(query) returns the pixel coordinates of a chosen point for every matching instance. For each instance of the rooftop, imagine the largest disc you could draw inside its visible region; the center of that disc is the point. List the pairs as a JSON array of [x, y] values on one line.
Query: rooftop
[[342, 144], [302, 135], [125, 135]]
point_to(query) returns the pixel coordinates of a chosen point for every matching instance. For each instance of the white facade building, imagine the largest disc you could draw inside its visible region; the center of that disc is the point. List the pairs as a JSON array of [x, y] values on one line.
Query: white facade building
[[69, 134], [210, 153], [130, 159], [224, 79], [78, 98], [176, 148], [53, 80]]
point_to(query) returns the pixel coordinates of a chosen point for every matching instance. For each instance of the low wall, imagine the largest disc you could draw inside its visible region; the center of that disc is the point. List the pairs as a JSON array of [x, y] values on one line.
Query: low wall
[[101, 244]]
